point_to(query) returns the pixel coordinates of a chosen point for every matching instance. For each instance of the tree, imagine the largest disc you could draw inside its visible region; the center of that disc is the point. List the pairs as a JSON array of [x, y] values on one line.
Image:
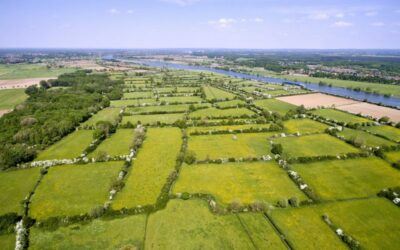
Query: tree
[[190, 157], [276, 149], [32, 90]]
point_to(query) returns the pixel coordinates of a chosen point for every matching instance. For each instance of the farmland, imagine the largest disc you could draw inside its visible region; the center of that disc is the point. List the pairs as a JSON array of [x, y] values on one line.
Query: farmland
[[9, 98]]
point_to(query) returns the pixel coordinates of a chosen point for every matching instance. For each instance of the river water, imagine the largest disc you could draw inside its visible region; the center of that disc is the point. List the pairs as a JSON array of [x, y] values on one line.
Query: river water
[[348, 93]]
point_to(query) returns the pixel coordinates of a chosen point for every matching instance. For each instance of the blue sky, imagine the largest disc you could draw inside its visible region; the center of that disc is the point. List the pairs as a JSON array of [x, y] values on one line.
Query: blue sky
[[200, 24]]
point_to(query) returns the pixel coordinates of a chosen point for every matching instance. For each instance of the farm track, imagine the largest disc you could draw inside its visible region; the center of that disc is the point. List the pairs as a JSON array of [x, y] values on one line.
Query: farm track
[[247, 231], [281, 235]]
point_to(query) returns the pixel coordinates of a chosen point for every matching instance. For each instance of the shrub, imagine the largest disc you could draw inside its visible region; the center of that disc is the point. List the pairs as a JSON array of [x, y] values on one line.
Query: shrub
[[190, 157], [7, 222], [276, 149], [185, 196], [294, 202], [283, 203]]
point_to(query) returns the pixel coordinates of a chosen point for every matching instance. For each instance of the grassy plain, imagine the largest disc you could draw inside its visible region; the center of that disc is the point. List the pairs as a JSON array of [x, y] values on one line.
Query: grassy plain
[[154, 162], [75, 189], [274, 105], [9, 98]]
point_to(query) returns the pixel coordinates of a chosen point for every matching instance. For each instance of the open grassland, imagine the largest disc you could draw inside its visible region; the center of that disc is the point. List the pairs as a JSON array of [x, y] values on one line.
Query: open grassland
[[117, 144], [238, 182], [314, 145], [125, 103], [218, 113], [304, 126], [7, 241], [123, 233], [69, 147], [353, 178], [393, 157], [9, 98], [135, 95], [181, 99], [15, 185], [217, 94], [339, 116], [75, 189], [155, 161], [363, 138], [389, 132], [226, 146], [190, 225], [370, 221], [274, 105], [226, 128], [20, 71], [229, 104], [152, 119], [107, 114]]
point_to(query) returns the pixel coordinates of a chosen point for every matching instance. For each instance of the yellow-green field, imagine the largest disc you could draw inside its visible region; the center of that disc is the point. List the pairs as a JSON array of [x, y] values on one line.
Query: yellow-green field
[[217, 113], [339, 116], [274, 105], [152, 119], [107, 114], [117, 144], [304, 126]]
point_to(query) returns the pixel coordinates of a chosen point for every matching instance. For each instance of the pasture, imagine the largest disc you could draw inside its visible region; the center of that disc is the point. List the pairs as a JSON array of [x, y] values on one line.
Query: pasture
[[213, 93], [274, 105], [153, 164], [181, 99], [118, 143], [136, 95], [352, 178], [20, 71], [393, 157], [9, 98], [389, 132], [107, 114], [230, 104], [339, 116], [363, 138], [152, 119], [238, 182], [132, 102], [304, 126], [212, 129], [218, 113], [75, 189]]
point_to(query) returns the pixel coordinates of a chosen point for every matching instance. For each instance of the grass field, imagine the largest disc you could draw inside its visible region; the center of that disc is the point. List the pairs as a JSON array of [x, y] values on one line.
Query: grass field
[[369, 221], [133, 95], [152, 119], [304, 126], [124, 233], [226, 127], [181, 99], [225, 146], [163, 108], [218, 94], [190, 225], [75, 189], [339, 116], [313, 145], [217, 113], [387, 131], [155, 161], [393, 156], [7, 241], [15, 186], [364, 138], [240, 182], [353, 178], [20, 71], [107, 114], [229, 104], [9, 98], [124, 103], [69, 147], [118, 144], [274, 105]]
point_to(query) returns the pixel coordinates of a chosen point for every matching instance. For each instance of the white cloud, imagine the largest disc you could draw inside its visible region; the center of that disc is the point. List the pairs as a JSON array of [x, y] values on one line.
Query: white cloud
[[180, 2], [371, 13], [377, 24], [318, 16], [113, 11], [129, 12], [342, 24], [258, 20], [339, 15], [223, 22]]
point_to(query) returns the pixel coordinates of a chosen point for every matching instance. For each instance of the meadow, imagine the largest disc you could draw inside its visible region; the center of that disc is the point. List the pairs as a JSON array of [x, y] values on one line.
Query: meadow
[[274, 105], [217, 94], [363, 138], [118, 143], [226, 128], [107, 114], [218, 113], [9, 98], [152, 119], [386, 131], [20, 71], [304, 126], [339, 116]]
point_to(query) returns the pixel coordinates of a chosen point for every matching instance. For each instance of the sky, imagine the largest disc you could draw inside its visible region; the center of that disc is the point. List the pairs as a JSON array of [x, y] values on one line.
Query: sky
[[258, 24]]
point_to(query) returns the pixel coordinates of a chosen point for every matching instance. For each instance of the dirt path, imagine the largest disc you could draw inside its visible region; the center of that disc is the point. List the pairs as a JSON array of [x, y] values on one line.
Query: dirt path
[[21, 83], [4, 111]]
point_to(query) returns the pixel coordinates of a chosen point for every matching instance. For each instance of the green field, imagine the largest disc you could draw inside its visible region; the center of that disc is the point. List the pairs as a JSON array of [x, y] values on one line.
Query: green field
[[69, 147], [7, 241], [20, 71], [226, 128], [107, 114], [393, 156], [152, 119], [230, 104], [364, 138], [155, 161], [190, 225], [217, 113], [117, 144], [124, 233], [353, 178], [9, 98], [240, 182], [163, 108], [15, 185], [124, 103], [225, 146], [339, 116], [304, 126], [217, 94], [314, 145], [181, 99], [386, 131], [370, 221], [135, 95], [274, 105], [75, 189]]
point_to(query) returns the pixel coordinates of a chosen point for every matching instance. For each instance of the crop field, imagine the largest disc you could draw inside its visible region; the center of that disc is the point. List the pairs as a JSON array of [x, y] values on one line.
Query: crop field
[[217, 94], [240, 182], [155, 161], [363, 138], [339, 116], [75, 189], [304, 126], [117, 144], [70, 147], [189, 224], [107, 114], [9, 98], [217, 113], [226, 146], [275, 105], [386, 131], [344, 179], [152, 119], [314, 145], [14, 190]]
